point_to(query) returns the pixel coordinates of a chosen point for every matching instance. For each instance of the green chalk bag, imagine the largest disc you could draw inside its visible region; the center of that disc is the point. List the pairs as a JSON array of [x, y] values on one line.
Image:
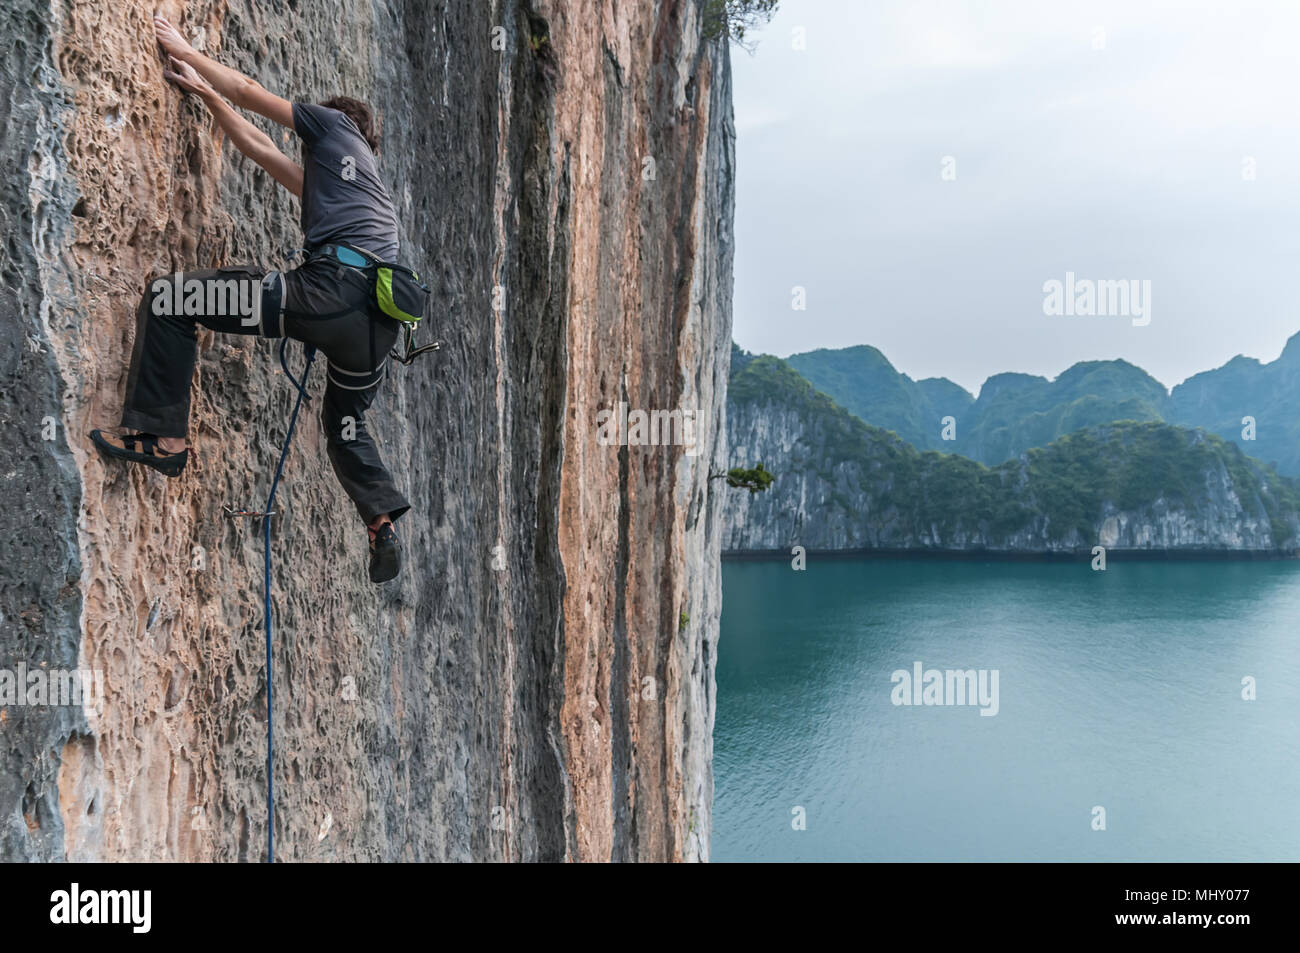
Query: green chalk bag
[[400, 293]]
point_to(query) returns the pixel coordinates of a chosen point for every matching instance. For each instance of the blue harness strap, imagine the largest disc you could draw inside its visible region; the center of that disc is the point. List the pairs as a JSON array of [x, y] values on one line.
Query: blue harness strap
[[301, 385]]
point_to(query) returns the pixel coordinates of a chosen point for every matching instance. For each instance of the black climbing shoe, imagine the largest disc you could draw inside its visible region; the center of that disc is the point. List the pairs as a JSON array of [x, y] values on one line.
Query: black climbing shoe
[[385, 554], [141, 448]]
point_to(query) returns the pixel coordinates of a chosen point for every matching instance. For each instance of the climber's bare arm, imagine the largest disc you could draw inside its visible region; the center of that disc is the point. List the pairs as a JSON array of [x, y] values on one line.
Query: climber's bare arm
[[241, 90], [246, 137]]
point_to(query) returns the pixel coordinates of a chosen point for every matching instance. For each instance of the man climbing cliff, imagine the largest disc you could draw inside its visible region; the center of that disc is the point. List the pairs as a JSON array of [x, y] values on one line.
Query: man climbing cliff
[[348, 223]]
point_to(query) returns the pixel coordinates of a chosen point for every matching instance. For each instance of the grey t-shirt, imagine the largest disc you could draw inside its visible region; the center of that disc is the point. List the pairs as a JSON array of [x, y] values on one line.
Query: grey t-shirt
[[343, 197]]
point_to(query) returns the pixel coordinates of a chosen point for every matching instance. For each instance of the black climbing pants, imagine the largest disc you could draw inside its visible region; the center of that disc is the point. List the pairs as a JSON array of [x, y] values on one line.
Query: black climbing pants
[[321, 303]]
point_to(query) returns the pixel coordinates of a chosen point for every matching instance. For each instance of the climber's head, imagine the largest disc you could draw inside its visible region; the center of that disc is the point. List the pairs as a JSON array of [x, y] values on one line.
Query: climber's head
[[361, 114]]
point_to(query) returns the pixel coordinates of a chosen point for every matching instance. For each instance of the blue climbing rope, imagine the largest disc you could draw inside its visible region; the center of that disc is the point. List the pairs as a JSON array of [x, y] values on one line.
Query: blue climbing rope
[[301, 385]]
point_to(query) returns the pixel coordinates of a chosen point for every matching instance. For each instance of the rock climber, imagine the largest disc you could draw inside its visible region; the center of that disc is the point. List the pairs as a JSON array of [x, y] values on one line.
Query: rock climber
[[348, 223]]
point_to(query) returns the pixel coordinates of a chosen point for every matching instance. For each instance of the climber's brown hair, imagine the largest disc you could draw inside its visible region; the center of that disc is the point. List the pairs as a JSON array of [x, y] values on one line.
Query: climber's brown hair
[[361, 114]]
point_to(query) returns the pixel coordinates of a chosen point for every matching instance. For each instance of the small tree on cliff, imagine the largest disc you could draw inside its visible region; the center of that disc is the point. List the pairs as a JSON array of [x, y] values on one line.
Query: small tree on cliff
[[755, 480], [737, 19]]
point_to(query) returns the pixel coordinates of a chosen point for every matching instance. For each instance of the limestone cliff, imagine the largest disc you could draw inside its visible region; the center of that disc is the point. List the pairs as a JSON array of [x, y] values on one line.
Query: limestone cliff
[[539, 683], [841, 484]]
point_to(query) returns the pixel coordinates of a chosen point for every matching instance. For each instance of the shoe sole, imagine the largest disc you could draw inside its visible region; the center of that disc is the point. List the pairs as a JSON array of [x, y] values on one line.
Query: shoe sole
[[170, 467]]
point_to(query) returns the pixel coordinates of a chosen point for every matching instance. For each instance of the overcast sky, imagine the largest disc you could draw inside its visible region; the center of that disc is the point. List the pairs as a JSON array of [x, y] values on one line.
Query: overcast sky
[[1123, 162]]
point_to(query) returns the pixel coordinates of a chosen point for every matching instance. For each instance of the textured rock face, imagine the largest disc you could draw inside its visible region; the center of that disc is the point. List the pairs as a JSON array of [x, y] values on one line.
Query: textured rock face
[[797, 506], [539, 684]]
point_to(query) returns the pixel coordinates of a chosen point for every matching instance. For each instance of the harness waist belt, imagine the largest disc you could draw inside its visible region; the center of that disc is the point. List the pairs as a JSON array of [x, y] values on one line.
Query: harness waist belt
[[345, 254]]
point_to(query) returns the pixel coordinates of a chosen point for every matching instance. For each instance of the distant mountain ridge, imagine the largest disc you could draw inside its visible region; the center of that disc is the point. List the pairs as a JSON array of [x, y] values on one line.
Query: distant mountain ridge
[[1270, 393], [1015, 412], [863, 381], [1015, 416]]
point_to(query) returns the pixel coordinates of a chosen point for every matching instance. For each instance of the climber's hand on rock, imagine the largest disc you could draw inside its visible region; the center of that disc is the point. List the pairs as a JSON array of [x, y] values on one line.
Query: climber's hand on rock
[[185, 76], [169, 38]]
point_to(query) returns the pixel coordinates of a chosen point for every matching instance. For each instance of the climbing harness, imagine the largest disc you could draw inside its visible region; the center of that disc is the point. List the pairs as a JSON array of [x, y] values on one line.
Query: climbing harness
[[398, 292], [301, 385]]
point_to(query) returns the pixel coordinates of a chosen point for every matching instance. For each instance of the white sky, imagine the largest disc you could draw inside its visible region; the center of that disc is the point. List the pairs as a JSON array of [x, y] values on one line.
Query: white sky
[[1123, 162]]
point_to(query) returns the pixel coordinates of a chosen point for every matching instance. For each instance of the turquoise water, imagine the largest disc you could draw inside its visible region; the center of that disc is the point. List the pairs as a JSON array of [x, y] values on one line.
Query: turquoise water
[[1120, 689]]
